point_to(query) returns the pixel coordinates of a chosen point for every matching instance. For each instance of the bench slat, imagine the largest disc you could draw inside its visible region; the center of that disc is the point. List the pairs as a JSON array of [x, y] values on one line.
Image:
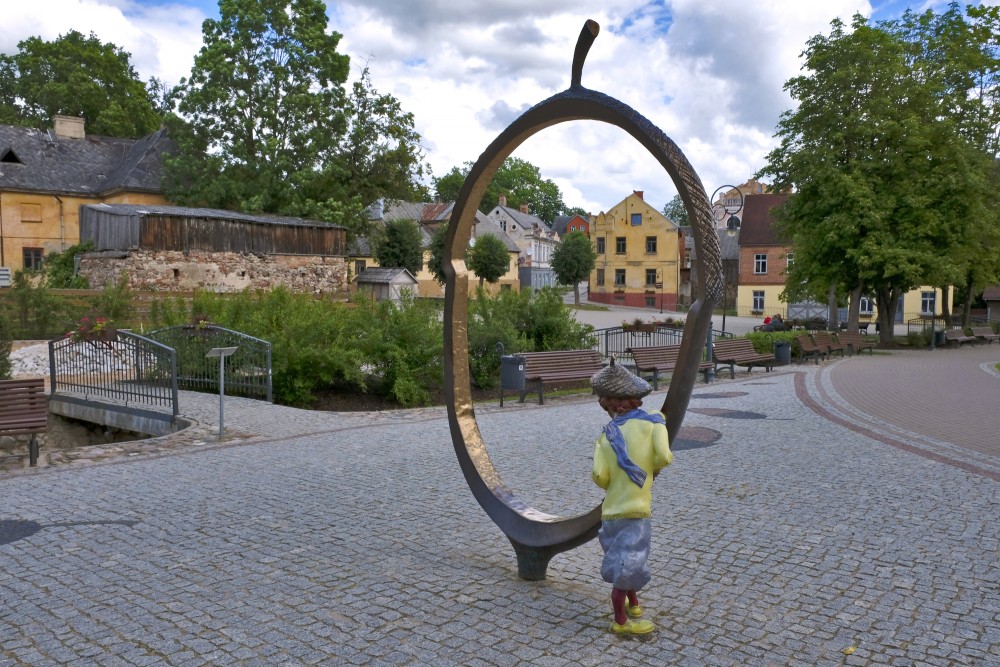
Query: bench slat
[[559, 366]]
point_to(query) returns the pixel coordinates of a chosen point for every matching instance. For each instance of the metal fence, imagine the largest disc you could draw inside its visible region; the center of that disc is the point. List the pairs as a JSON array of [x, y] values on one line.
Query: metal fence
[[121, 366], [248, 369], [616, 340]]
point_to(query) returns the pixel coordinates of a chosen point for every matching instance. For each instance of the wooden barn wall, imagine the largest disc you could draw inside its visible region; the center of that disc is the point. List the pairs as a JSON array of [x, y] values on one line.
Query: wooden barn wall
[[109, 231], [240, 236]]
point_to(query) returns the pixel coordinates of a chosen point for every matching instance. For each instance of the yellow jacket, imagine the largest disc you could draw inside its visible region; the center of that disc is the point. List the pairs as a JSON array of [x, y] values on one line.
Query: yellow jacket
[[649, 448]]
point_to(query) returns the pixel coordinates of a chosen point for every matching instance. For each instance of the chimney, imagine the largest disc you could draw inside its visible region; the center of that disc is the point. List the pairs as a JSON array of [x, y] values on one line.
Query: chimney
[[524, 208], [503, 199], [638, 193], [68, 127]]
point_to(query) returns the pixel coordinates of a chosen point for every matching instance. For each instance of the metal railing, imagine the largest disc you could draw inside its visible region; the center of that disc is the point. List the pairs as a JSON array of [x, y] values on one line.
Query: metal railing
[[248, 370], [119, 365], [616, 340]]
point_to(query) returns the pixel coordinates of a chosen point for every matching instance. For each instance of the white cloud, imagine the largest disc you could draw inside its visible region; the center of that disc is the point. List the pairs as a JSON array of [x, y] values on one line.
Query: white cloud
[[709, 74]]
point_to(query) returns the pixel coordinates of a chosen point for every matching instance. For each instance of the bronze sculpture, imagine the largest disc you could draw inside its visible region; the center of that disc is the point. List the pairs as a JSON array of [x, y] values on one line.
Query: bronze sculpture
[[535, 535]]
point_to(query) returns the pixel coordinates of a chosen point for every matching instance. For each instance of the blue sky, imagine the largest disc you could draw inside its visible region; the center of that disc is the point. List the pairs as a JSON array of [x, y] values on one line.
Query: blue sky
[[709, 74]]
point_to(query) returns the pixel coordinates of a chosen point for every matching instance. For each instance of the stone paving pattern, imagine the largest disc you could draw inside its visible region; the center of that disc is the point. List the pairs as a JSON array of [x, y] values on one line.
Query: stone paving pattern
[[820, 535]]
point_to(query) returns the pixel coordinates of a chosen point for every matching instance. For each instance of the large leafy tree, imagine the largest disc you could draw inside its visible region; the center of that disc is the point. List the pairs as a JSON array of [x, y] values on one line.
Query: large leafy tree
[[488, 258], [882, 176], [573, 260], [957, 53], [79, 76], [266, 123], [517, 179], [399, 245]]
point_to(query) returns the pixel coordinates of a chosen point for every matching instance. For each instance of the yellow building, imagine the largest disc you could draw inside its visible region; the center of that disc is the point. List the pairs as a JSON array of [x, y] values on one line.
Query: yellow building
[[46, 176], [638, 256]]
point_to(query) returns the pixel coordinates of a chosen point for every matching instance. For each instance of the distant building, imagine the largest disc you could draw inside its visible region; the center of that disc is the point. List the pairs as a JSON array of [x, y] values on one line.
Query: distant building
[[564, 224], [45, 176], [639, 256], [386, 284], [535, 240]]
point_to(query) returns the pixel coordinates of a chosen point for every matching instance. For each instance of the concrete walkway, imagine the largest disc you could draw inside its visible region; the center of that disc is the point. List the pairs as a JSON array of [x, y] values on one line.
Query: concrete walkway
[[812, 516]]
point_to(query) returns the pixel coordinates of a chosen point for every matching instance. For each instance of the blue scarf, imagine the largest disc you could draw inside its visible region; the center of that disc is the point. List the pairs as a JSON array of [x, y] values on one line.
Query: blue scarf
[[614, 435]]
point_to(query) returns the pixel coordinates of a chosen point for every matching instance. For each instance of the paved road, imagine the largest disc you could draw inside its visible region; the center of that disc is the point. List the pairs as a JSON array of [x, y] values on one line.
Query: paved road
[[788, 531]]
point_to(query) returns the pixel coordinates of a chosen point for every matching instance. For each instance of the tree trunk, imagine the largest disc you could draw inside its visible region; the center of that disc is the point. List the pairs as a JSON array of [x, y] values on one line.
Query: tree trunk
[[576, 294], [970, 289], [886, 298], [833, 319], [945, 307], [854, 307]]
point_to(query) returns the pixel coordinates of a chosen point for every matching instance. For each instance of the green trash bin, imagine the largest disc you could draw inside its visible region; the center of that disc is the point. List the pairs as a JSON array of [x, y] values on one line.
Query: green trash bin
[[782, 352]]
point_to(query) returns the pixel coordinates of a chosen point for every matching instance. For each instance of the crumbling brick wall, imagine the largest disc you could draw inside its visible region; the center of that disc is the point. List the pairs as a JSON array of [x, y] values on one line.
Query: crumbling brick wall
[[216, 271]]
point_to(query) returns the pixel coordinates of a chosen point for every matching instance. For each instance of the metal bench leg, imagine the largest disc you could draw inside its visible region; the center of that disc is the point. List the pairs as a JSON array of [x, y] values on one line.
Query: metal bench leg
[[656, 380], [33, 451]]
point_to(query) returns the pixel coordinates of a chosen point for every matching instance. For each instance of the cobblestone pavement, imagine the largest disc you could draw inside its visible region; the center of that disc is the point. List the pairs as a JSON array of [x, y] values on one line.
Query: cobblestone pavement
[[807, 534]]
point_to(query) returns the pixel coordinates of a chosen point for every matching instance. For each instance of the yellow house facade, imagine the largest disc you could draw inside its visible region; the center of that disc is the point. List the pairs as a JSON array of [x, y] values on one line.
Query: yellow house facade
[[638, 256], [45, 176]]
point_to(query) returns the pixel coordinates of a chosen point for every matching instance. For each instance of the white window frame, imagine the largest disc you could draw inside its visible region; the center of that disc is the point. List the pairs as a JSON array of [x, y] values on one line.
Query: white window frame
[[760, 264], [758, 301]]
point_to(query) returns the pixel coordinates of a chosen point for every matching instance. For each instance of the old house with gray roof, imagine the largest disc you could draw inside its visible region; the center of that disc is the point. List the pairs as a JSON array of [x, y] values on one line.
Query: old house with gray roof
[[534, 239], [45, 176]]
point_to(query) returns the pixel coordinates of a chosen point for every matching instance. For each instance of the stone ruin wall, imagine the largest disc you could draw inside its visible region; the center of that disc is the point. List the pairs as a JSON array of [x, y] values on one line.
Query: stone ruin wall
[[217, 271]]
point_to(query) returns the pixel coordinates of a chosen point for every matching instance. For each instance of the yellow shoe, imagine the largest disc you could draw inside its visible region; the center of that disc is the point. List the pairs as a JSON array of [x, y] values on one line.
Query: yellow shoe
[[633, 628], [633, 612]]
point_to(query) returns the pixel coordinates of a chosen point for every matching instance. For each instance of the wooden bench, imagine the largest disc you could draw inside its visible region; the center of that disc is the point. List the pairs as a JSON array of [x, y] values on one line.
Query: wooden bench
[[985, 334], [543, 368], [855, 343], [808, 349], [735, 352], [826, 341], [24, 410], [958, 337], [658, 359]]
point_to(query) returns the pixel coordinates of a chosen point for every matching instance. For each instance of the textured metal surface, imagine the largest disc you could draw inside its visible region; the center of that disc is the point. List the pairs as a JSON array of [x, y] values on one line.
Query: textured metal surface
[[538, 536]]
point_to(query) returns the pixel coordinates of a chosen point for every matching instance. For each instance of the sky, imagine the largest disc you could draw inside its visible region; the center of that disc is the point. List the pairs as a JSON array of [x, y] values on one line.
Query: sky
[[709, 73]]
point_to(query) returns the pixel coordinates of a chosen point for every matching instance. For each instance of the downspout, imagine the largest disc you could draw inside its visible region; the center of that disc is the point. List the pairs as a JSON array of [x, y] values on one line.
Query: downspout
[[62, 224], [2, 262]]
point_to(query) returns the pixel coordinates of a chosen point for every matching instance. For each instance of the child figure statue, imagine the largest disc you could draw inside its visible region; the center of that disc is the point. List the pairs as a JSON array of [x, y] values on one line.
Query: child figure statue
[[630, 452]]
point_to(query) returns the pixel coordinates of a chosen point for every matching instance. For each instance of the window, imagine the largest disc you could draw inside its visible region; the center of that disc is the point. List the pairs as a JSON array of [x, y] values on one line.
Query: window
[[571, 228], [650, 245], [619, 277], [865, 306], [760, 264], [789, 260], [927, 304], [31, 212], [758, 300], [33, 257], [600, 277], [600, 246], [359, 266], [505, 287], [619, 245], [650, 277], [650, 302], [637, 219]]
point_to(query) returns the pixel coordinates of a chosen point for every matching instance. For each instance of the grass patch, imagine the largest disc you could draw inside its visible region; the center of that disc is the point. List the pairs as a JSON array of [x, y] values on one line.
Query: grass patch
[[590, 306]]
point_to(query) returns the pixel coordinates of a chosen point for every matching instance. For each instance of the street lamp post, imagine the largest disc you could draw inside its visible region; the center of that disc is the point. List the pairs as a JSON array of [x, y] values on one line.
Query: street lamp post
[[720, 211]]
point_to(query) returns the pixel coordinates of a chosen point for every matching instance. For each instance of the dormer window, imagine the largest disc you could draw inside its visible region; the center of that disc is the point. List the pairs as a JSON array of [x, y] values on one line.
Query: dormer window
[[10, 157]]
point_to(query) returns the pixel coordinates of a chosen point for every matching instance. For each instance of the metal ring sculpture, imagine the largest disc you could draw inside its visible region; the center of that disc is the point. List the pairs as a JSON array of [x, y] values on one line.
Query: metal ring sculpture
[[537, 536]]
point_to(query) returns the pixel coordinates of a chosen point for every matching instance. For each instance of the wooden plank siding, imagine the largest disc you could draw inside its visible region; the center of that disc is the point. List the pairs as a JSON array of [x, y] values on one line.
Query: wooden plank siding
[[157, 231]]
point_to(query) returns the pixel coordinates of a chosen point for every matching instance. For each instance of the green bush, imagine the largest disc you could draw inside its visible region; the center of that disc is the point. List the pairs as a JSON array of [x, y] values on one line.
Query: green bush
[[60, 267], [763, 342], [523, 321]]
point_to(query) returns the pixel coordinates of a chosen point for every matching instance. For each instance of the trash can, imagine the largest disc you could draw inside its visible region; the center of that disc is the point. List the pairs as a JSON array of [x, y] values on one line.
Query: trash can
[[939, 339], [782, 352], [511, 374]]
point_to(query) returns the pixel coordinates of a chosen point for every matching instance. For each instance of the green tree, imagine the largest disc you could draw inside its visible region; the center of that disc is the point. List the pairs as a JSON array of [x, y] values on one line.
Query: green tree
[[268, 125], [436, 262], [676, 212], [399, 245], [517, 179], [883, 178], [79, 76], [573, 260], [488, 258]]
